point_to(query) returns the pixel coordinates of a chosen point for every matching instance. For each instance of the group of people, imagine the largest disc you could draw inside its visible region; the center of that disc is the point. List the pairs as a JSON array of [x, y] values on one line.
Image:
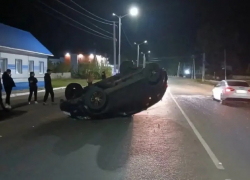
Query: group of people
[[8, 84]]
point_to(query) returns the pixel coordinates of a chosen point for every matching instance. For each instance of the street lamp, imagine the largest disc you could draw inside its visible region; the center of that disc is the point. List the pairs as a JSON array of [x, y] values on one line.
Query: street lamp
[[133, 12], [91, 56], [138, 50], [187, 71]]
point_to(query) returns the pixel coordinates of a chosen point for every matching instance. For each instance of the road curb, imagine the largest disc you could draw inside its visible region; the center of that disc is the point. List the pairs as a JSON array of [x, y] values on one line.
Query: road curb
[[27, 93]]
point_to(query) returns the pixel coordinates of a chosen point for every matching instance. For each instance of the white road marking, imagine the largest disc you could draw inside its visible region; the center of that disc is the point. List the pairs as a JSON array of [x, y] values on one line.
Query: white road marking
[[215, 160]]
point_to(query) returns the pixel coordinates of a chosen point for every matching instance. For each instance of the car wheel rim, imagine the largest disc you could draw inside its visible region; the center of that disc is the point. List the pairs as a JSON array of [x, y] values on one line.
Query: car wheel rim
[[96, 99]]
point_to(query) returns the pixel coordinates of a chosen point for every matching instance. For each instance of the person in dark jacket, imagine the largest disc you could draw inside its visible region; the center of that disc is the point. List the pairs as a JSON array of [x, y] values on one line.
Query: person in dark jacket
[[48, 87], [1, 87], [103, 75], [8, 84], [33, 87]]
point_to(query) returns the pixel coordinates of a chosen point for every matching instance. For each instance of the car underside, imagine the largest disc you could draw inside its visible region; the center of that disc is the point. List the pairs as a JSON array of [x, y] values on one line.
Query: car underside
[[129, 92]]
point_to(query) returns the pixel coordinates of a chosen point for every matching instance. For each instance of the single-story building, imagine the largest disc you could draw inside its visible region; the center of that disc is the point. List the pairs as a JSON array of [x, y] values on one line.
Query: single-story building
[[21, 52]]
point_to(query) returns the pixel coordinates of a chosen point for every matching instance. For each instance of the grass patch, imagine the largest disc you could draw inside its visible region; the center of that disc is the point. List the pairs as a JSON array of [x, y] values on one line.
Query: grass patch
[[205, 82], [65, 82]]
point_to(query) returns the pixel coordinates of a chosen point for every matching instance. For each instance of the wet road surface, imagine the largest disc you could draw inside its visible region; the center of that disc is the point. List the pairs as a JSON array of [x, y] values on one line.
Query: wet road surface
[[180, 138]]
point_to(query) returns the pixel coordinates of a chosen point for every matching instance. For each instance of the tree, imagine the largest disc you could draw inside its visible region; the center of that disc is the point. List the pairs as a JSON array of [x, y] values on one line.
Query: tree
[[84, 68], [214, 38], [50, 65]]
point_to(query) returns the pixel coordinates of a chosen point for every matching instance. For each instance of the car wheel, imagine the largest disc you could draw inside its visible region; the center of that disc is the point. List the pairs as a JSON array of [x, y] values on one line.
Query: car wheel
[[126, 66], [223, 102], [213, 98], [95, 98], [73, 90], [152, 73]]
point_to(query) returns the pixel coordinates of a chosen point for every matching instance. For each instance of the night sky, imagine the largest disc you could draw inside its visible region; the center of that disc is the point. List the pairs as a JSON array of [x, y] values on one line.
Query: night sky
[[170, 26]]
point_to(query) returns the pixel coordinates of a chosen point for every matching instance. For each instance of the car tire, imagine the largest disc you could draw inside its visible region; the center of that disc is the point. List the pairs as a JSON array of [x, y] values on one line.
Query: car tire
[[126, 66], [213, 98], [73, 90], [152, 73], [95, 98], [223, 102]]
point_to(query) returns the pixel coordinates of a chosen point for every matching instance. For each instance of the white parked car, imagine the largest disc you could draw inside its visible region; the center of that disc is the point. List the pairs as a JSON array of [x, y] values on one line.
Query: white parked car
[[236, 90]]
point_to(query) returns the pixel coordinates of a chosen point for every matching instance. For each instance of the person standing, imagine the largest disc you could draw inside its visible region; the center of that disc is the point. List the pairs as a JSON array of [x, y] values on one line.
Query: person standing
[[48, 87], [8, 84], [33, 87], [90, 79], [1, 87], [103, 75]]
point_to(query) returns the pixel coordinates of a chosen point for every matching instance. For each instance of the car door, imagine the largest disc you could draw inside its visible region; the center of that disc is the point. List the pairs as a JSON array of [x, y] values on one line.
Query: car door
[[221, 88], [217, 90]]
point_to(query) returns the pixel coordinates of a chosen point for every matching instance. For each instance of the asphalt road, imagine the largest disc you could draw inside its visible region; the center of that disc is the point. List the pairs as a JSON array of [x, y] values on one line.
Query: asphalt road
[[186, 136]]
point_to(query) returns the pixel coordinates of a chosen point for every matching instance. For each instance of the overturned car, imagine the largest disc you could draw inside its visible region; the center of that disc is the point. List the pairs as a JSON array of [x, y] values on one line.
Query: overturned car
[[129, 92]]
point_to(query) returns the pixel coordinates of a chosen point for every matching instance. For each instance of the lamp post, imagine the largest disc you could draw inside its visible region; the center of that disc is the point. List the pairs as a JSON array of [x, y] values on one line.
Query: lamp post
[[133, 12], [138, 51]]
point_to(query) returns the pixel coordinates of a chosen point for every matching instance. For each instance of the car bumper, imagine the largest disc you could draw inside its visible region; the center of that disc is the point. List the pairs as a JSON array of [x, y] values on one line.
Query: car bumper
[[236, 97]]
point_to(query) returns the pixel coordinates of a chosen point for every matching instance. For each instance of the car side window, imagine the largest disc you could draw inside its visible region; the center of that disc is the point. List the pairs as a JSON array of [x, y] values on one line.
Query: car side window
[[218, 85], [223, 84]]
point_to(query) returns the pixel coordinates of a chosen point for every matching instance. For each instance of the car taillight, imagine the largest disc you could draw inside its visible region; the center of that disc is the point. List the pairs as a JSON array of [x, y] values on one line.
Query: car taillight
[[249, 90], [229, 89]]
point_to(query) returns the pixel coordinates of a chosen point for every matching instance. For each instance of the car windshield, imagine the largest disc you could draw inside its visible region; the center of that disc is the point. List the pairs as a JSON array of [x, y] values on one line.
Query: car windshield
[[238, 83]]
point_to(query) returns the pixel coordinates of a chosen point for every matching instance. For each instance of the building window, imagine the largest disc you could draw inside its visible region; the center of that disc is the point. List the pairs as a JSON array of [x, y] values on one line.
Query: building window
[[31, 66], [3, 65], [19, 66], [41, 67]]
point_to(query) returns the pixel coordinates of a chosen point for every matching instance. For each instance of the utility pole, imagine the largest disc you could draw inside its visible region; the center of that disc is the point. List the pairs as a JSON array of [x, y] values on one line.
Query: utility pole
[[194, 76], [114, 39], [138, 54], [144, 60], [225, 63], [203, 67], [119, 55], [178, 70]]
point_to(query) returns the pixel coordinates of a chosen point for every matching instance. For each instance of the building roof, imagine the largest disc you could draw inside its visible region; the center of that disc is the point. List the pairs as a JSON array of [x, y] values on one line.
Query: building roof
[[17, 39]]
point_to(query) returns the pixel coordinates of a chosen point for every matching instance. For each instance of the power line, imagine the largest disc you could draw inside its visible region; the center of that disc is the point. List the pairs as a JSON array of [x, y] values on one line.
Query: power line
[[90, 12], [73, 20], [72, 24], [84, 14], [127, 38], [98, 27]]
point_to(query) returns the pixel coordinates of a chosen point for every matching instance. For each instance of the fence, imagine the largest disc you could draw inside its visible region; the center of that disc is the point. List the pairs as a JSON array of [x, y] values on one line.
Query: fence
[[66, 75]]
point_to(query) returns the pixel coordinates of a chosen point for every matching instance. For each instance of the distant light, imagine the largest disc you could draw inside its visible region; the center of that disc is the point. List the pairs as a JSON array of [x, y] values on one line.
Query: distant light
[[149, 51], [67, 54], [145, 41], [113, 14], [187, 71], [99, 58], [133, 11], [80, 56], [135, 43], [91, 56]]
